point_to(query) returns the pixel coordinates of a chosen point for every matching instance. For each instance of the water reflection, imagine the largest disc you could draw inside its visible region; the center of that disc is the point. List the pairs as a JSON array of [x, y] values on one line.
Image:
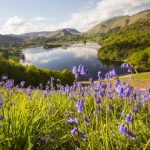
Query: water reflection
[[59, 58]]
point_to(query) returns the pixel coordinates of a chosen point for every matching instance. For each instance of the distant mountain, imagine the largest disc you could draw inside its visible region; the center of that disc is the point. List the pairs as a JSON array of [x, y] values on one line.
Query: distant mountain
[[12, 39], [48, 34], [118, 22]]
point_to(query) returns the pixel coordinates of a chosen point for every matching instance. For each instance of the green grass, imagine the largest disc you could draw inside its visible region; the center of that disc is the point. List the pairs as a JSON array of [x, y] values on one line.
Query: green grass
[[140, 80], [27, 120], [139, 76]]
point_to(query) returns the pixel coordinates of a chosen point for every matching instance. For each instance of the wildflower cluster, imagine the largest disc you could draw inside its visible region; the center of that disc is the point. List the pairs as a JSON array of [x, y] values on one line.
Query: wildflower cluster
[[77, 116]]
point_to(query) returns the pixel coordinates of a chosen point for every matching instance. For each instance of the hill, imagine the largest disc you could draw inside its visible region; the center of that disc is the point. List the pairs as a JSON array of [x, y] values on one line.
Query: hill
[[11, 39], [118, 22], [48, 34], [130, 43]]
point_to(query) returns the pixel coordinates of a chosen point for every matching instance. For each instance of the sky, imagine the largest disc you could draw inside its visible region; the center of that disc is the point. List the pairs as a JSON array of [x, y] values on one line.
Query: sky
[[22, 16]]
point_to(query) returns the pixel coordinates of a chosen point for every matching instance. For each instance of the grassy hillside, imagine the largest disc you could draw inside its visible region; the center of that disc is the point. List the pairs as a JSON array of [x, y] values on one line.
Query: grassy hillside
[[131, 43], [10, 39], [32, 75], [98, 116], [118, 22]]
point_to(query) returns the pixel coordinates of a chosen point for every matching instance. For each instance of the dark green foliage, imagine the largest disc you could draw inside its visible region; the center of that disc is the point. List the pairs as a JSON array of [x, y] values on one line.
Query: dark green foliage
[[33, 75], [130, 43], [51, 45]]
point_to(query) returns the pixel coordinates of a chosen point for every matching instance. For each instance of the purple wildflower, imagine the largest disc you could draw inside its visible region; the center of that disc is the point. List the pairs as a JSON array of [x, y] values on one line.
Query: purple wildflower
[[1, 117], [106, 76], [84, 137], [74, 131], [44, 140], [118, 82], [79, 68], [99, 75], [9, 84], [98, 101], [4, 77], [127, 91], [136, 110], [80, 105], [75, 120], [129, 118], [104, 86], [98, 108], [125, 65], [119, 90], [75, 71], [123, 129], [112, 74], [83, 71], [29, 91], [48, 82], [22, 83], [1, 101], [87, 120], [67, 89], [102, 94], [133, 137]]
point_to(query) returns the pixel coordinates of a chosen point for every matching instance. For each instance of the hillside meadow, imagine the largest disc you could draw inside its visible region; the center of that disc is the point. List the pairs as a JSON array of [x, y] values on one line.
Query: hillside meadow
[[108, 114]]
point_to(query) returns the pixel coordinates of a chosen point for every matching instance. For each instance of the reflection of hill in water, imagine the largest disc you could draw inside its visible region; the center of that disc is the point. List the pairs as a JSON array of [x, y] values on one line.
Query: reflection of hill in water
[[111, 63]]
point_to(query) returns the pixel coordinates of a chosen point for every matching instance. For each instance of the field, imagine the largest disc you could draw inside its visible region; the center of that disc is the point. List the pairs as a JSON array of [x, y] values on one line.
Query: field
[[99, 116], [140, 80]]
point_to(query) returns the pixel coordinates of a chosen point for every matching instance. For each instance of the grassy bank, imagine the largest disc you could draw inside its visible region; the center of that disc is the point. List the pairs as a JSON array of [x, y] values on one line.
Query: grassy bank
[[92, 117]]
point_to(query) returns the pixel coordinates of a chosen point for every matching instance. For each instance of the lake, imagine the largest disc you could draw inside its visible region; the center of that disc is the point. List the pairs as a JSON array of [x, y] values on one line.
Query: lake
[[75, 54]]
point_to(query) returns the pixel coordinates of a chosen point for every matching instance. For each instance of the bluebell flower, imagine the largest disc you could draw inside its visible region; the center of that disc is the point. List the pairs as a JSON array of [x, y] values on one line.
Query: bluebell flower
[[79, 68], [9, 84], [74, 131], [123, 129], [4, 77], [119, 90], [106, 76], [136, 110], [99, 75], [1, 101], [125, 65], [83, 71], [22, 83], [129, 118], [74, 70], [80, 105], [133, 136], [102, 94], [84, 137], [98, 101], [44, 139], [1, 117], [98, 108], [87, 120], [112, 74], [75, 120]]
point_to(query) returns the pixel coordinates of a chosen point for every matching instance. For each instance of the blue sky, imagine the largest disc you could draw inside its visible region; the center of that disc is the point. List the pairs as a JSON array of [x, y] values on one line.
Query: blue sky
[[20, 16], [58, 9]]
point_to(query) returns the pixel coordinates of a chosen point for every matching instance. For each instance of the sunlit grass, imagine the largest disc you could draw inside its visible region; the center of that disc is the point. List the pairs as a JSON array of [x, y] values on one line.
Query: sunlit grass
[[39, 122]]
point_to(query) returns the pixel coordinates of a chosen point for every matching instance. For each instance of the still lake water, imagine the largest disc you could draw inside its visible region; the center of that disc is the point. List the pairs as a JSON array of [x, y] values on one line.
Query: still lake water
[[76, 54]]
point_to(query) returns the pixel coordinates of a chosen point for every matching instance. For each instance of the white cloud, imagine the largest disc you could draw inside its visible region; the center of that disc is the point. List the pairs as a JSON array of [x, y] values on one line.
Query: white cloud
[[105, 9], [18, 25], [82, 21], [15, 25], [43, 19]]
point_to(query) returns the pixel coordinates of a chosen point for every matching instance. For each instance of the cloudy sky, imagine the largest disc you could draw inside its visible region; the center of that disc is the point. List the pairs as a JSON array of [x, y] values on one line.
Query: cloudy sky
[[20, 16]]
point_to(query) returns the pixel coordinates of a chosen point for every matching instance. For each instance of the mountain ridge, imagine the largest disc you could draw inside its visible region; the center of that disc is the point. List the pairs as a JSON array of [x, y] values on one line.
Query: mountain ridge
[[118, 22], [114, 23]]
